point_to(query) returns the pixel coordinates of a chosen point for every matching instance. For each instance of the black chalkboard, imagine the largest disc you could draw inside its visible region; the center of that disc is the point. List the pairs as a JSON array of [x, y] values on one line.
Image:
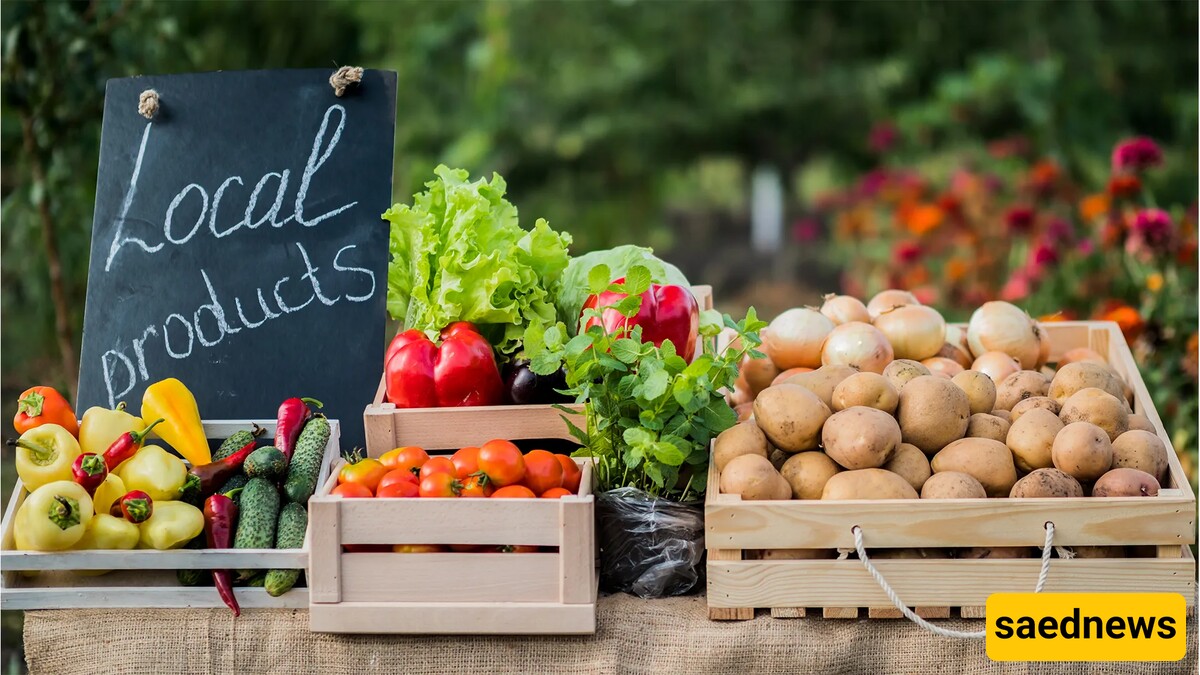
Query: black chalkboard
[[238, 245]]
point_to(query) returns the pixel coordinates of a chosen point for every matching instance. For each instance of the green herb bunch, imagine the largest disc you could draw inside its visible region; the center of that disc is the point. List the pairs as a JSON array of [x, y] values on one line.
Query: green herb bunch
[[650, 415]]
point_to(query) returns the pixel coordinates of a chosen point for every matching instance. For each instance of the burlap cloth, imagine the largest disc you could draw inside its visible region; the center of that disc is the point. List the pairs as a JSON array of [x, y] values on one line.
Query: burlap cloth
[[635, 636]]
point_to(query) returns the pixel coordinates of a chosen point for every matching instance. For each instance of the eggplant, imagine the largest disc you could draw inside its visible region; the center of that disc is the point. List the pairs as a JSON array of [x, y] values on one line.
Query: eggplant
[[522, 386]]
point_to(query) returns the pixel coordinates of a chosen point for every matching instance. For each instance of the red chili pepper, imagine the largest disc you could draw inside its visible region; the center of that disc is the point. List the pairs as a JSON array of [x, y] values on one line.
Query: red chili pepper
[[135, 506], [89, 471], [460, 371], [213, 476], [667, 312], [220, 515], [293, 413], [126, 446]]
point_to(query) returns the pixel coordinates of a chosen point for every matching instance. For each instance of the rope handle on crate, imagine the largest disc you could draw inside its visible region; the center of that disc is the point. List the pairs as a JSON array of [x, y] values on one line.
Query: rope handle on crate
[[912, 616]]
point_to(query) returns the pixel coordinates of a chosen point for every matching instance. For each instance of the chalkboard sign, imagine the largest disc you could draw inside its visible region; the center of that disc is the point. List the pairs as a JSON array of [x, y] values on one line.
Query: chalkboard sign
[[238, 245]]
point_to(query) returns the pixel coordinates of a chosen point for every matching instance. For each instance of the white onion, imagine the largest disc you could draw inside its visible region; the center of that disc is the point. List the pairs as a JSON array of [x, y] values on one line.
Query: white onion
[[1081, 354], [956, 347], [845, 308], [794, 338], [942, 366], [915, 331], [859, 345], [885, 300], [996, 365], [999, 326]]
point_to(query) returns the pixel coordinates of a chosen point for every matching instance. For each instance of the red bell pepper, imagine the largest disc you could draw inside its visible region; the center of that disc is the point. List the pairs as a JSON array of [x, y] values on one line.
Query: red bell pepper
[[667, 313], [458, 372]]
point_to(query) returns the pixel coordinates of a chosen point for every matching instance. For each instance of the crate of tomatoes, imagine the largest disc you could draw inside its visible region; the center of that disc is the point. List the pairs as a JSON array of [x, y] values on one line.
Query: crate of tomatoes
[[395, 534]]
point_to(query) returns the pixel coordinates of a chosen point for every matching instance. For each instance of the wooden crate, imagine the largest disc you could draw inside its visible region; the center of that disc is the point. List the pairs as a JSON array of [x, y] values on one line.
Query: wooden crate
[[144, 578], [840, 588], [390, 427], [443, 593]]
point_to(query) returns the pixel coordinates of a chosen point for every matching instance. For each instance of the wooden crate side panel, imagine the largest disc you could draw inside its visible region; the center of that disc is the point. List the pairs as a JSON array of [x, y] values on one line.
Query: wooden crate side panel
[[324, 524], [453, 428], [447, 618], [450, 577], [846, 583], [531, 522]]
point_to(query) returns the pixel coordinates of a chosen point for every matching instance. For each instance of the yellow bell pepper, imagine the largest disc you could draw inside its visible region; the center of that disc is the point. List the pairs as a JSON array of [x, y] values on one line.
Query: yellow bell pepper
[[181, 427], [101, 426], [105, 532], [53, 517], [112, 489], [44, 455], [172, 525], [154, 471]]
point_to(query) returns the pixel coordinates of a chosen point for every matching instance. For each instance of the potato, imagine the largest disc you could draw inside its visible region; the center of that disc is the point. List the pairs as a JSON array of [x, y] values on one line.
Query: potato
[[910, 554], [1098, 407], [1003, 414], [755, 375], [741, 439], [792, 554], [866, 389], [1031, 439], [952, 485], [1043, 402], [807, 473], [1083, 450], [1081, 375], [1141, 450], [1141, 422], [1046, 483], [983, 425], [933, 412], [990, 462], [1126, 483], [868, 484], [823, 381], [980, 390], [860, 437], [1088, 552], [791, 417], [996, 552], [745, 411], [753, 477], [900, 371], [911, 464], [1019, 386]]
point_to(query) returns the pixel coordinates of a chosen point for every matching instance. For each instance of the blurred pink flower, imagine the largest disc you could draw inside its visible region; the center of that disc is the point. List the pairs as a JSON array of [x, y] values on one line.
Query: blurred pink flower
[[1059, 230], [1043, 255], [1019, 219], [906, 252], [1152, 231], [927, 295], [1136, 154], [1087, 246], [882, 137], [806, 229], [1017, 288]]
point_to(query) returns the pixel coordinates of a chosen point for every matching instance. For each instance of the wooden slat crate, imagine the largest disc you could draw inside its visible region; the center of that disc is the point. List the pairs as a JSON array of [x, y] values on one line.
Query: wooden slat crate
[[387, 426], [1166, 524], [143, 578], [504, 593]]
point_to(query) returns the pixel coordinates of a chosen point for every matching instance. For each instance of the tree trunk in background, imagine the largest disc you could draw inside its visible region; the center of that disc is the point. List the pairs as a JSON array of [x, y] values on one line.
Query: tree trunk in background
[[766, 209], [58, 293]]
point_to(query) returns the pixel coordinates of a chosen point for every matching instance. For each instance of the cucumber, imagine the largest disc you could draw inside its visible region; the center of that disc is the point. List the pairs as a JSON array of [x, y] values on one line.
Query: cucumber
[[258, 514], [238, 480], [194, 577], [230, 445], [266, 462], [306, 460], [293, 520]]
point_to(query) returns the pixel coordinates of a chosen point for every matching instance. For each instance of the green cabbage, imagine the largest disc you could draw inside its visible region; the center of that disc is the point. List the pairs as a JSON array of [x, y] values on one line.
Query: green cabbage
[[459, 254], [620, 260]]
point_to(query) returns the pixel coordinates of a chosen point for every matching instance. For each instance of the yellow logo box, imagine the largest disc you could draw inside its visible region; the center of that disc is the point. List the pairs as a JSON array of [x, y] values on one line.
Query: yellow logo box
[[1086, 627]]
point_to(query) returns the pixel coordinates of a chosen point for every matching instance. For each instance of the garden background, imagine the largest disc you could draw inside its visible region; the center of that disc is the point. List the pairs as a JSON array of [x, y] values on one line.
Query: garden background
[[965, 150]]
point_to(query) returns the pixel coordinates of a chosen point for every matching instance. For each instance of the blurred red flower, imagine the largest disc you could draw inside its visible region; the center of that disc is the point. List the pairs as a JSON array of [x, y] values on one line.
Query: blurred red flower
[[883, 137], [1043, 177], [906, 252], [1123, 186], [1019, 219], [1152, 231], [1136, 154], [806, 230]]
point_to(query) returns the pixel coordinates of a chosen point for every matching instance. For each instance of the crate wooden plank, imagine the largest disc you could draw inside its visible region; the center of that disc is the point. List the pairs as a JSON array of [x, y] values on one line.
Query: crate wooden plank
[[132, 589], [530, 522], [893, 613], [325, 557], [439, 577], [839, 612], [458, 618]]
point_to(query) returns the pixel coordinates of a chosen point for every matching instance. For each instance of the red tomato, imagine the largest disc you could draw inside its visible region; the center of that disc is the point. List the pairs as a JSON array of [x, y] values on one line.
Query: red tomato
[[437, 465], [410, 458], [514, 492], [542, 471], [440, 485], [404, 488], [392, 458], [476, 486], [352, 490], [501, 462], [397, 476], [556, 493], [466, 462], [571, 473], [366, 472], [418, 548]]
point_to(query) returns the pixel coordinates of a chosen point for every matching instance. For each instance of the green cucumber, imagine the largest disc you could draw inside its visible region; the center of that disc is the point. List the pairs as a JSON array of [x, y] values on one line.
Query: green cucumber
[[194, 577], [237, 480], [306, 460], [236, 442], [293, 520], [258, 514], [266, 462]]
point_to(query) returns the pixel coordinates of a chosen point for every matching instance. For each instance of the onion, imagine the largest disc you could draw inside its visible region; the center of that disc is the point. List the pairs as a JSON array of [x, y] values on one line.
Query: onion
[[788, 373], [859, 345], [915, 331], [756, 374], [885, 300], [844, 309], [999, 326], [942, 366], [1081, 354], [996, 365], [794, 338]]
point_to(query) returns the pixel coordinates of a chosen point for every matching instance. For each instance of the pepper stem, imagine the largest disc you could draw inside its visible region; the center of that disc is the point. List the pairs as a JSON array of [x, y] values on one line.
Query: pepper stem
[[313, 401], [137, 510], [64, 512], [93, 464], [32, 404], [41, 453], [139, 436], [120, 407]]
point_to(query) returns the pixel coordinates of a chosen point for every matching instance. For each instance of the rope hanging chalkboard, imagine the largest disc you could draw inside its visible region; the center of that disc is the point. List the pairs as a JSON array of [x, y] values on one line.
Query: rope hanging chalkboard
[[148, 104]]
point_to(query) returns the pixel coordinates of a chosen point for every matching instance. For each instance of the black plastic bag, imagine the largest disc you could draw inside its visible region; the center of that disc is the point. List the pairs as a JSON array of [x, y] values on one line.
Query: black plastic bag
[[652, 548]]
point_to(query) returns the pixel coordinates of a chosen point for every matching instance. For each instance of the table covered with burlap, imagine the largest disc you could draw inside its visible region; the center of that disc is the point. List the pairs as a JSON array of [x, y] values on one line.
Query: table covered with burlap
[[634, 636]]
